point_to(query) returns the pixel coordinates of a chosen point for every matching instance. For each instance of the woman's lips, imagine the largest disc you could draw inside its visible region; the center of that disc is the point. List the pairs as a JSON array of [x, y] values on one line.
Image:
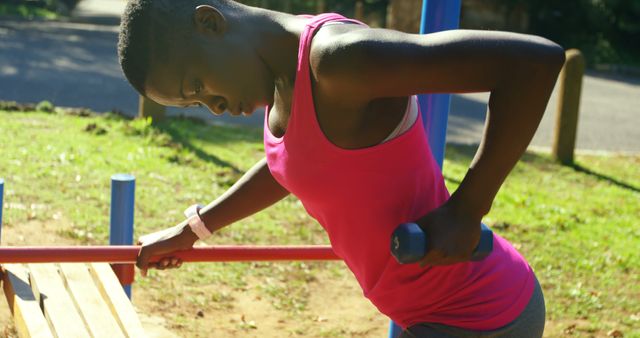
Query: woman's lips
[[237, 111], [250, 109], [246, 110]]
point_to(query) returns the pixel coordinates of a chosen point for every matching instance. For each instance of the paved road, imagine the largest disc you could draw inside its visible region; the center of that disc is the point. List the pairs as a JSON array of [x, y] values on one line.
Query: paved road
[[609, 115], [75, 64]]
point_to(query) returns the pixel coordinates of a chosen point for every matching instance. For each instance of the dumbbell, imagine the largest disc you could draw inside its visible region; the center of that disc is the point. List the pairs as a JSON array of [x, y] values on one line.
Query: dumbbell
[[409, 243]]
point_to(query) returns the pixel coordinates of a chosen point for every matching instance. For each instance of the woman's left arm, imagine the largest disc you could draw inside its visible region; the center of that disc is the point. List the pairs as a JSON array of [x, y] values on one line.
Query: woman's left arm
[[520, 72]]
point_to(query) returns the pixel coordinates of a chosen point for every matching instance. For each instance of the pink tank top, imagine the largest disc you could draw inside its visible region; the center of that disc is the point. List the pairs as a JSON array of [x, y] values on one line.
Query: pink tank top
[[360, 196]]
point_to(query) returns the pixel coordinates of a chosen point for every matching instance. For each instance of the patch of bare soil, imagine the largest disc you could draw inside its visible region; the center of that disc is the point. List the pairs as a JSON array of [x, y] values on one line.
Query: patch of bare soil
[[584, 328], [335, 308], [339, 307]]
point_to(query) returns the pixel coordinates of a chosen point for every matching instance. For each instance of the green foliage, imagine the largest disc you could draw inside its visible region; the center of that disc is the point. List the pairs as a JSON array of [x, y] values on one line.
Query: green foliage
[[607, 31], [45, 106], [372, 8], [26, 11], [47, 9], [139, 126], [603, 29]]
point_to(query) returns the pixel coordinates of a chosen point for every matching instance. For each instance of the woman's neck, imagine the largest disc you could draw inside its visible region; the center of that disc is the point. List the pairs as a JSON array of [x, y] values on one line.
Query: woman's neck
[[276, 38]]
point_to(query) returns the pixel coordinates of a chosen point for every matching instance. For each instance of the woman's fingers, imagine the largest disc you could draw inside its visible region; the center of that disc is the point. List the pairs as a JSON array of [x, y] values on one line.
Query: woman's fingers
[[176, 262], [166, 263]]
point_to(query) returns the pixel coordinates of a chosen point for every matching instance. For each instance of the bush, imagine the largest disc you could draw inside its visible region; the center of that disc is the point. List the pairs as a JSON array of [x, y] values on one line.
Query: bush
[[30, 8], [607, 31], [45, 106]]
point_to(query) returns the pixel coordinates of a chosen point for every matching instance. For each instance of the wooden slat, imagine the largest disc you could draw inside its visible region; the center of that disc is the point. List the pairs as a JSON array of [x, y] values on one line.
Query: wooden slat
[[116, 299], [88, 300], [27, 315], [58, 307]]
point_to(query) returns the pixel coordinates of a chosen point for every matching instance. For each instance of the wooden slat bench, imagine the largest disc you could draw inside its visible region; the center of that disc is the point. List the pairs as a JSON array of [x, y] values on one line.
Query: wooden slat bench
[[69, 300]]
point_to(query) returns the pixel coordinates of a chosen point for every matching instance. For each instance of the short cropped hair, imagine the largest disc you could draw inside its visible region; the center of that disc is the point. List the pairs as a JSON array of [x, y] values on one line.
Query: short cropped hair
[[152, 28]]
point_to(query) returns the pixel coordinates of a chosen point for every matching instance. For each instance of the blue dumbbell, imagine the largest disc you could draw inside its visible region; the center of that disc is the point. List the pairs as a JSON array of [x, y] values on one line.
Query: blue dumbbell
[[409, 243]]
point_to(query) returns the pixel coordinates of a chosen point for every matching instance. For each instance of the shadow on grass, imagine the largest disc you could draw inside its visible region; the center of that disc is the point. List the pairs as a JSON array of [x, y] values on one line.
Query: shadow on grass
[[463, 153], [182, 131], [603, 177]]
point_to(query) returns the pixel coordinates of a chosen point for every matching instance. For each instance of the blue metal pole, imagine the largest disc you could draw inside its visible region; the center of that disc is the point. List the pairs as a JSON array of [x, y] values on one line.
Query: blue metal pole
[[123, 188], [437, 15], [394, 330], [1, 205]]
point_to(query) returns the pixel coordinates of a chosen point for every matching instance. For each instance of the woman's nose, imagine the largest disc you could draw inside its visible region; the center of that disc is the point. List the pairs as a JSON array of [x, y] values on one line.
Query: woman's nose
[[217, 105]]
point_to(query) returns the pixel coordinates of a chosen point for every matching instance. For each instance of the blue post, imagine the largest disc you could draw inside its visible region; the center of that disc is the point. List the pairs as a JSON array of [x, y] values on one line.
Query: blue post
[[394, 330], [123, 188], [1, 205], [437, 15]]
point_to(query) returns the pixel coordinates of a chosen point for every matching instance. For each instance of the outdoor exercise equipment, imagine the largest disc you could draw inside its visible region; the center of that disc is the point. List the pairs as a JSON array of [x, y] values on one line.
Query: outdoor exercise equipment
[[127, 254], [51, 295], [68, 300], [409, 243], [123, 196]]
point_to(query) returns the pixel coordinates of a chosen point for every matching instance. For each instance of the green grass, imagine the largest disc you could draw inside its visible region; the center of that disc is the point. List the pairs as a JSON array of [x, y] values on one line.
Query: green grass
[[578, 226], [26, 11]]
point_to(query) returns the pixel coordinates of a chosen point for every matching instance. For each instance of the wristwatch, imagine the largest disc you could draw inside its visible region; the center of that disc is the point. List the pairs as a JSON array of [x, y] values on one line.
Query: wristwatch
[[196, 223]]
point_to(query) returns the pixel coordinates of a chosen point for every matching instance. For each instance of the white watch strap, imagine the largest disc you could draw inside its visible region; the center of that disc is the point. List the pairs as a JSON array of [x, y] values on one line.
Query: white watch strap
[[196, 223]]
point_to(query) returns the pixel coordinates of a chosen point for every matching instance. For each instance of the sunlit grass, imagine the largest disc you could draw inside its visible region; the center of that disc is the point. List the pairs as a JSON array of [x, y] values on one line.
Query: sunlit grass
[[577, 226]]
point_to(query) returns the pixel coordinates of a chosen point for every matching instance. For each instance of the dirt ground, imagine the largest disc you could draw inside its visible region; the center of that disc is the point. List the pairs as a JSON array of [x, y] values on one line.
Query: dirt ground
[[336, 308]]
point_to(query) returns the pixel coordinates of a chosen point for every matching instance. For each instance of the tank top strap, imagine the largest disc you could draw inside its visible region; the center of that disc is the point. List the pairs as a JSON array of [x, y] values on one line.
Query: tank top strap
[[312, 26], [302, 108]]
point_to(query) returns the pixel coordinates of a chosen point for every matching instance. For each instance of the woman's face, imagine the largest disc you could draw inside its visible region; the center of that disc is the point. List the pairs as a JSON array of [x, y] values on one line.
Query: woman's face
[[222, 72]]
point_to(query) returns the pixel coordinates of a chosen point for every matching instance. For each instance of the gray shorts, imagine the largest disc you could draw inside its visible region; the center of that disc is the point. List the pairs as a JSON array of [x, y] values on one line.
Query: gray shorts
[[530, 324]]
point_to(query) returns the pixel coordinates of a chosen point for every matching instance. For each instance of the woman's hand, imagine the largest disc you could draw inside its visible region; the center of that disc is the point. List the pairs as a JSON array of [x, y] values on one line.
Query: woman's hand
[[163, 243], [451, 233]]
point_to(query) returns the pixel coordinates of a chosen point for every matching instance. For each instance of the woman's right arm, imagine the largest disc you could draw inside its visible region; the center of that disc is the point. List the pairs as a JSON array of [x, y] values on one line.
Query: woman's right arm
[[256, 190]]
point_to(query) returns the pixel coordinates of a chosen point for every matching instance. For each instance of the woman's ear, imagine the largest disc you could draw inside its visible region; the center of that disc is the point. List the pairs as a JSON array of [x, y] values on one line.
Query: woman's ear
[[209, 20]]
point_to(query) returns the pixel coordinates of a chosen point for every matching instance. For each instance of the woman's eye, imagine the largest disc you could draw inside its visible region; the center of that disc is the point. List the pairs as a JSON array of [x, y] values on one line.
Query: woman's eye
[[197, 87]]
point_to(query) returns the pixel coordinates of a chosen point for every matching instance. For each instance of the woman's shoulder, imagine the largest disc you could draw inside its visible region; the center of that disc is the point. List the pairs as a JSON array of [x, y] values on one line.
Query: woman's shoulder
[[335, 55], [332, 43]]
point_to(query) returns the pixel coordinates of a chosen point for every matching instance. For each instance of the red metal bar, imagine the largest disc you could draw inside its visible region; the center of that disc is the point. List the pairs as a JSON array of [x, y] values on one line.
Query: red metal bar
[[128, 254]]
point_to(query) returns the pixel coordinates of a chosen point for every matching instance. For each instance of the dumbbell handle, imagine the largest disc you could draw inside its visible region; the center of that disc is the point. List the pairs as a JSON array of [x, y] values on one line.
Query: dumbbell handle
[[409, 243]]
